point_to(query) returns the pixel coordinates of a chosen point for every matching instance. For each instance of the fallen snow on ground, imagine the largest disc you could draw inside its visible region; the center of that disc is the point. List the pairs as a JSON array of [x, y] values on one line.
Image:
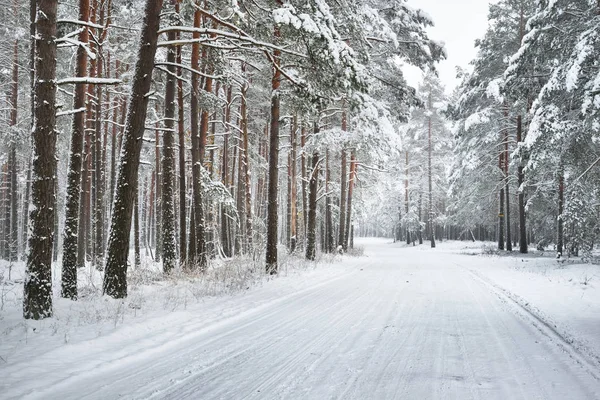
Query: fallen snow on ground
[[401, 322]]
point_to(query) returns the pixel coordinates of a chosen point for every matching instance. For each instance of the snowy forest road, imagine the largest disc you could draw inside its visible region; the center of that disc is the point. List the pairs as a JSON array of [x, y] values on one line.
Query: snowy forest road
[[405, 324]]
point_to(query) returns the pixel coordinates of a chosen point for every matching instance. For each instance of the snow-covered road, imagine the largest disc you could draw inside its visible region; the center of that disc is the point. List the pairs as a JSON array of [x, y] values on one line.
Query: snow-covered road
[[404, 324]]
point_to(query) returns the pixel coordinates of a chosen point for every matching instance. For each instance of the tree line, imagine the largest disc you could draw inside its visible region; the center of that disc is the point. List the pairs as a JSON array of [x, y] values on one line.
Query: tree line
[[191, 130]]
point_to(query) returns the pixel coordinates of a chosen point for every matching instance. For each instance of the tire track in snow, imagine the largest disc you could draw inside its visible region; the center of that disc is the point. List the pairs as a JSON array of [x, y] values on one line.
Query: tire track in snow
[[582, 355], [152, 346]]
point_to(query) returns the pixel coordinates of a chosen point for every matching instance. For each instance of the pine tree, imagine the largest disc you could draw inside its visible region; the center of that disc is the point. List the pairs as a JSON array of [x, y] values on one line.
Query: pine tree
[[115, 278], [37, 300]]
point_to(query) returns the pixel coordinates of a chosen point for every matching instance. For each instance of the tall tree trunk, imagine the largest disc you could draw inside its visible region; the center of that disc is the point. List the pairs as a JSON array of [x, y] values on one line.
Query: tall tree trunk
[[240, 199], [420, 232], [25, 221], [37, 299], [561, 203], [501, 209], [204, 126], [199, 260], [508, 229], [113, 145], [311, 230], [351, 184], [430, 205], [246, 169], [304, 189], [329, 239], [271, 256], [14, 98], [182, 169], [521, 179], [5, 211], [99, 161], [31, 61], [225, 234], [115, 278], [408, 238], [293, 187], [343, 183], [343, 197], [136, 229], [168, 161], [158, 196]]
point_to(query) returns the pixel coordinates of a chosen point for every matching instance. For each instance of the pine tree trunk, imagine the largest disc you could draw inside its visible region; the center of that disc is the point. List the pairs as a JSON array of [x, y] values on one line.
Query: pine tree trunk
[[408, 239], [420, 232], [508, 229], [311, 229], [501, 210], [521, 179], [85, 193], [142, 210], [561, 202], [12, 158], [240, 190], [246, 169], [501, 221], [199, 260], [343, 192], [294, 188], [343, 183], [182, 170], [113, 147], [136, 229], [329, 239], [5, 211], [25, 221], [271, 256], [13, 222], [304, 188], [351, 184], [115, 278], [430, 205], [99, 164], [225, 237], [37, 299], [158, 196], [168, 161]]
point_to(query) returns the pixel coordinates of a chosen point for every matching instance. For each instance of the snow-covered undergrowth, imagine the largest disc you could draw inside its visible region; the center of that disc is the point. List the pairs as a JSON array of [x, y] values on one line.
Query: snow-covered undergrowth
[[152, 296]]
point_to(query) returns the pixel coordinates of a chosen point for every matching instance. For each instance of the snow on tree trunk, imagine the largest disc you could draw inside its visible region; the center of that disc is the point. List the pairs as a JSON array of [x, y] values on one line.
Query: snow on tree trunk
[[182, 168], [311, 228], [271, 256], [430, 205], [115, 278], [197, 256], [168, 163], [37, 299], [329, 239], [343, 184], [225, 234], [70, 236], [560, 219], [12, 158], [245, 167], [351, 184], [521, 179]]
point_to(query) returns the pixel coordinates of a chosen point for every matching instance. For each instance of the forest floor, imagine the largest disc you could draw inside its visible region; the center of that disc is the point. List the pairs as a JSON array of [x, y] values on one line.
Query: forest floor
[[455, 322]]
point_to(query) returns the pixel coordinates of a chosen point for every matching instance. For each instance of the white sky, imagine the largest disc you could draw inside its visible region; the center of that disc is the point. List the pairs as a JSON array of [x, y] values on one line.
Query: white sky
[[457, 23]]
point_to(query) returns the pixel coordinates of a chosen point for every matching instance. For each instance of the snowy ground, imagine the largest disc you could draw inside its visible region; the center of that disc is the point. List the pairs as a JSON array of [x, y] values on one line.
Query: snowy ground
[[403, 322]]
